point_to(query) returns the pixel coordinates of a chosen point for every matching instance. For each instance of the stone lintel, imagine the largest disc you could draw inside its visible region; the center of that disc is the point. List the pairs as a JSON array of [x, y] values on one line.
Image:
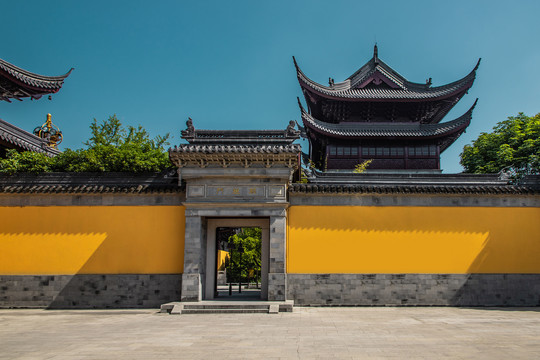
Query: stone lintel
[[236, 210]]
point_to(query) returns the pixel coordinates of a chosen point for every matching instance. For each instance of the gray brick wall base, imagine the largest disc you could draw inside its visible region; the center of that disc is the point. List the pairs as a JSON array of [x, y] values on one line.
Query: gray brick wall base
[[414, 289], [98, 291]]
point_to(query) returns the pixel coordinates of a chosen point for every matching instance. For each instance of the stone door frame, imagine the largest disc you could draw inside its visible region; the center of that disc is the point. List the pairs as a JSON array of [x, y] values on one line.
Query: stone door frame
[[212, 225], [196, 240]]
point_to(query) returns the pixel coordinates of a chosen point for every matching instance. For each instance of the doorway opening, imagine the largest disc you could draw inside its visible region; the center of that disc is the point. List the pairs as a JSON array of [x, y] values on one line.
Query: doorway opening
[[237, 257], [238, 263]]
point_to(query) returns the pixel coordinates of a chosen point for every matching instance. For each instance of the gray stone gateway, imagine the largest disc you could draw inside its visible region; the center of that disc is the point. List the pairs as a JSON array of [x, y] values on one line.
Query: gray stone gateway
[[235, 178]]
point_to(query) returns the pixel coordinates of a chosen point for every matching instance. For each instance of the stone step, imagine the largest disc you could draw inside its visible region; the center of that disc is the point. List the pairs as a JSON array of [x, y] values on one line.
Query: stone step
[[212, 307], [224, 311], [226, 306]]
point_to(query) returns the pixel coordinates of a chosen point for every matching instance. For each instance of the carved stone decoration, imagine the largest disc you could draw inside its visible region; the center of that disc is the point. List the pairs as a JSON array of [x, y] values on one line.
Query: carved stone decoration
[[190, 131], [291, 130]]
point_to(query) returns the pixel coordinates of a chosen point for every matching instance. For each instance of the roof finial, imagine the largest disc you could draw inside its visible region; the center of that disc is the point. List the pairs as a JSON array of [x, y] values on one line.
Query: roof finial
[[190, 131], [376, 53], [295, 63], [49, 132]]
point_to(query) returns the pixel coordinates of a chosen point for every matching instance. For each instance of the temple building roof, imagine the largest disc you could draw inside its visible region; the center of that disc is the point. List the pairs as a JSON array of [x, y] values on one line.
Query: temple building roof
[[377, 81], [451, 129], [240, 137], [237, 147], [17, 83], [12, 137]]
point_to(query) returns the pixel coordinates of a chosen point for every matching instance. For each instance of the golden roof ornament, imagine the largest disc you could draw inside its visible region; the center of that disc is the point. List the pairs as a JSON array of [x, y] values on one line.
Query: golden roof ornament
[[49, 132]]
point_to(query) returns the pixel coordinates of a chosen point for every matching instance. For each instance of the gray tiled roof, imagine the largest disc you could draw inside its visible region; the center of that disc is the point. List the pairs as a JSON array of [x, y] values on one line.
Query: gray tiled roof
[[404, 89], [241, 155], [347, 189], [404, 130], [240, 137], [89, 183], [236, 149], [23, 140], [18, 83]]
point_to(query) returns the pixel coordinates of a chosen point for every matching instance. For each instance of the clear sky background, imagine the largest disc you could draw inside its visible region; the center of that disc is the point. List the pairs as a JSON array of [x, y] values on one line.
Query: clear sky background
[[228, 64]]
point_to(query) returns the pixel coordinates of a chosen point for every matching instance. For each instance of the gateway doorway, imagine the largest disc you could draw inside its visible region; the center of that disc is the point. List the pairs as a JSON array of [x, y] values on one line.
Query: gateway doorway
[[238, 261], [237, 256]]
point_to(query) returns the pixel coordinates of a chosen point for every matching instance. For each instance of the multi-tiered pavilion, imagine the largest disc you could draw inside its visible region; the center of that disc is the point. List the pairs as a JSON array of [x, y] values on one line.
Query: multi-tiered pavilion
[[376, 114]]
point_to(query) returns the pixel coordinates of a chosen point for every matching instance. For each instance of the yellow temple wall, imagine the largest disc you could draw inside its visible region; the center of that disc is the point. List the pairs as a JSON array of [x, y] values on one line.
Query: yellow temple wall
[[37, 240], [413, 239]]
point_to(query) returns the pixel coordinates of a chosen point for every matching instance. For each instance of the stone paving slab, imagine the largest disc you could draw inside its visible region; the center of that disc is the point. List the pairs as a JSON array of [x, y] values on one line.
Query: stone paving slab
[[306, 333]]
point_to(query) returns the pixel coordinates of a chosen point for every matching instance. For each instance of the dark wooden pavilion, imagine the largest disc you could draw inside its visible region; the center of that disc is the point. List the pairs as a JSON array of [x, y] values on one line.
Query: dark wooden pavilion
[[17, 83], [377, 114]]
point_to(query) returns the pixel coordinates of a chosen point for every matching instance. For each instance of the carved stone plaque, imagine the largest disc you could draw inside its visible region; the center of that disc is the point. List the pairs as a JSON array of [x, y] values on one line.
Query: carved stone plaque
[[247, 191], [276, 191], [195, 190]]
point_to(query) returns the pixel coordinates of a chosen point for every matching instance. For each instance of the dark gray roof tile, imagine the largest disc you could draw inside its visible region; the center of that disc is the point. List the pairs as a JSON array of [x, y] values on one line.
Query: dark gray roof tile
[[23, 140], [404, 90], [89, 183]]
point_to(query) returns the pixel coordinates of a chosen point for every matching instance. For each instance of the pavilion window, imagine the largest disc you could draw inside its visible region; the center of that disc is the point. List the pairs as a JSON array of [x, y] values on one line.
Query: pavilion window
[[343, 151], [396, 151], [365, 152]]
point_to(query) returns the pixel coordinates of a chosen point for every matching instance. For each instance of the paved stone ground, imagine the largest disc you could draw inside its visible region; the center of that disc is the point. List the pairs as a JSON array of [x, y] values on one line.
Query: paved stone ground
[[307, 333]]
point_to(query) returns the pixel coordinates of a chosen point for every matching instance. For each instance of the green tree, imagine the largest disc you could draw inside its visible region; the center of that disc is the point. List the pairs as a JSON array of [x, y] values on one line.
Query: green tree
[[245, 255], [513, 145], [111, 147]]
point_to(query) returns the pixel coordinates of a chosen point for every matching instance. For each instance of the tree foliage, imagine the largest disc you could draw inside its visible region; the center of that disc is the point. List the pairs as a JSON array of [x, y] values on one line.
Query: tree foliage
[[514, 145], [245, 255], [362, 167], [111, 147]]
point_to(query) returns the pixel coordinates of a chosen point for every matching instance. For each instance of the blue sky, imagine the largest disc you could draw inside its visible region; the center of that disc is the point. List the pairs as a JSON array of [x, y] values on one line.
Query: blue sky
[[228, 64]]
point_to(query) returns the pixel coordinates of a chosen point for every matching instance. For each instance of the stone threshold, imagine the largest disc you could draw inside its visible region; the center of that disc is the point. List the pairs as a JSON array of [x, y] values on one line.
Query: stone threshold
[[220, 307]]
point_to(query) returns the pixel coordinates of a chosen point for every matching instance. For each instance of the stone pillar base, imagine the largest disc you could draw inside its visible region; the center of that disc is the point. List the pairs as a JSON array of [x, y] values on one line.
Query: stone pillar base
[[277, 286], [191, 287]]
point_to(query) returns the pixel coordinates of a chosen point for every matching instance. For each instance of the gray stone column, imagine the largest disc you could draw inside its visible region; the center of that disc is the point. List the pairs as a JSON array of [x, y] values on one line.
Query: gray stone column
[[194, 259], [277, 276]]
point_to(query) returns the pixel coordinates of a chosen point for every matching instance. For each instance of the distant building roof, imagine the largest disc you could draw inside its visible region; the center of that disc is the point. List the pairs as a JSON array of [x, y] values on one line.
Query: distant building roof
[[450, 130], [357, 86], [12, 137], [17, 83]]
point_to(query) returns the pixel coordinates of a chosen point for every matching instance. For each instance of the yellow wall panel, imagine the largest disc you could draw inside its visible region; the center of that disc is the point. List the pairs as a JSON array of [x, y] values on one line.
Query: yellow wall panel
[[91, 240], [355, 239]]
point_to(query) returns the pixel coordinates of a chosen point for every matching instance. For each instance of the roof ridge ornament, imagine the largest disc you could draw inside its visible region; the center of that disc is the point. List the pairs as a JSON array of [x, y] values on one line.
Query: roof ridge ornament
[[295, 64], [376, 54], [190, 131], [291, 130], [49, 132], [477, 64]]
